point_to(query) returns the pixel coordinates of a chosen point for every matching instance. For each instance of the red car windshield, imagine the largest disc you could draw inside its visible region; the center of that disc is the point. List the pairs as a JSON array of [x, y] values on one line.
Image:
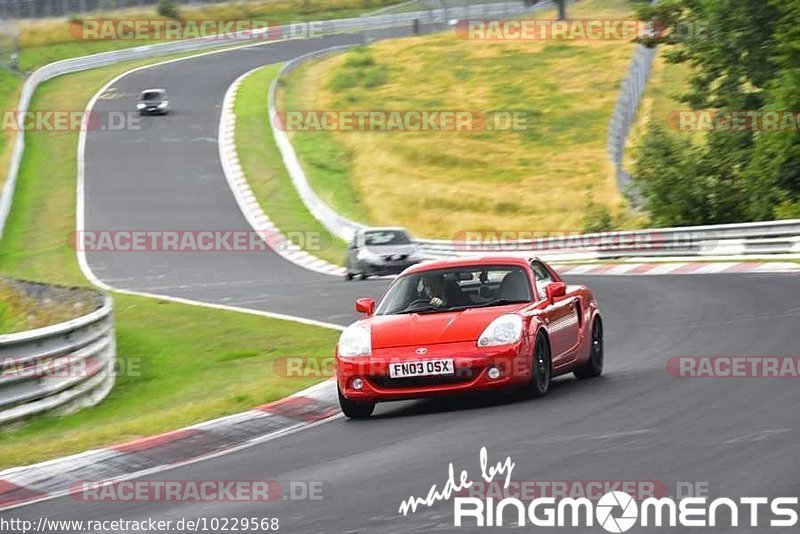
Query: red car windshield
[[453, 289]]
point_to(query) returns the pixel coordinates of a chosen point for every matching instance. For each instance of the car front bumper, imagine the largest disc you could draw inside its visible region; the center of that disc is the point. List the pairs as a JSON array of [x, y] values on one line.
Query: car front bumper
[[471, 366], [153, 111]]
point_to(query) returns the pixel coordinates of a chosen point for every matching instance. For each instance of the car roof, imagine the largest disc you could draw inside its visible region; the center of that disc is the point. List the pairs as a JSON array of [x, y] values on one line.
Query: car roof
[[156, 90], [467, 261]]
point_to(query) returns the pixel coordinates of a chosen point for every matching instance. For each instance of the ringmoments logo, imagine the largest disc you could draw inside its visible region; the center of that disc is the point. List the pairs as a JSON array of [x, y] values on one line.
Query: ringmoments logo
[[615, 511], [617, 500]]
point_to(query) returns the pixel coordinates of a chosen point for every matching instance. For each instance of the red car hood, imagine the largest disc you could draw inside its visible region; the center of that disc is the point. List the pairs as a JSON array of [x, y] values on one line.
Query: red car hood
[[431, 328]]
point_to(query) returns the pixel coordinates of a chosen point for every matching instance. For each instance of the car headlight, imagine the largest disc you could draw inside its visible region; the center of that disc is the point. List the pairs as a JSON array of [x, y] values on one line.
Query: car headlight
[[356, 340], [504, 330], [141, 105], [163, 104]]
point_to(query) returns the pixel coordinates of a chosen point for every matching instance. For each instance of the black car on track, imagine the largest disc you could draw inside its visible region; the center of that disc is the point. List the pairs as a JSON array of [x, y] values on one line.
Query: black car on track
[[153, 102]]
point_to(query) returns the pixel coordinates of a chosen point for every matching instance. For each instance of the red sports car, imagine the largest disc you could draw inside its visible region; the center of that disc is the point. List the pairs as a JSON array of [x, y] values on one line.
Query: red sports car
[[464, 325]]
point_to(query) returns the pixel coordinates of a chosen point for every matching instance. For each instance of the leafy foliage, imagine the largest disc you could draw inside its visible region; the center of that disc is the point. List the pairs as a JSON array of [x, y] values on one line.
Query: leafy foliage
[[169, 9], [774, 171], [681, 187], [745, 55]]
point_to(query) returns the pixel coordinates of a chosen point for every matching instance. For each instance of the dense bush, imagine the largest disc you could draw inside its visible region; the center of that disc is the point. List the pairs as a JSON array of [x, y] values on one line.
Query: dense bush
[[744, 56], [169, 9]]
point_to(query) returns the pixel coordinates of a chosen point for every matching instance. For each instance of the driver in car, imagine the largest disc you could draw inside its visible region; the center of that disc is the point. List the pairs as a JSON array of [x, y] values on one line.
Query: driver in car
[[442, 294]]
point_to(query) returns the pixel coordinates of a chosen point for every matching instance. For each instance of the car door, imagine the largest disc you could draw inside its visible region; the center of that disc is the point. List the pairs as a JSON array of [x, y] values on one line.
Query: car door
[[562, 318]]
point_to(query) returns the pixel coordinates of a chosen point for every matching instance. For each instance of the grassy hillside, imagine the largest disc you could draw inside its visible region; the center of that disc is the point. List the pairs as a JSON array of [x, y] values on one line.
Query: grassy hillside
[[438, 183]]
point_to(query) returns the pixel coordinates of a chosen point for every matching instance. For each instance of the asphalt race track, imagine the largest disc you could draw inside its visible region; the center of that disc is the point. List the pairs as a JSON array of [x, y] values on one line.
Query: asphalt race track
[[636, 423], [168, 176]]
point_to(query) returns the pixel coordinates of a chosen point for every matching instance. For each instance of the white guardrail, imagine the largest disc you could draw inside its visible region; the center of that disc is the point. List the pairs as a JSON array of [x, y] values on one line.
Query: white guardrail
[[630, 96], [718, 241], [64, 367]]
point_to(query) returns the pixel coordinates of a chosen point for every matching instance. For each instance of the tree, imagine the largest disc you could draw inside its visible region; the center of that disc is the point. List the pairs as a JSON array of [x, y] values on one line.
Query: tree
[[680, 184], [744, 56], [562, 9], [774, 173], [729, 43], [169, 9]]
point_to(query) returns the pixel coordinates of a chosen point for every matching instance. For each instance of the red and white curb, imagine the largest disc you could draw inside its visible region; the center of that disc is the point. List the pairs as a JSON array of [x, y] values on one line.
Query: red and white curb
[[677, 268], [20, 486], [248, 202]]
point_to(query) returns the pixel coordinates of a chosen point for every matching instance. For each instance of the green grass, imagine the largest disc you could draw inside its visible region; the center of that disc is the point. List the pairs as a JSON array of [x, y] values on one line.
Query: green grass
[[179, 364], [19, 311], [550, 175], [10, 85], [204, 364], [327, 162], [13, 310], [266, 174]]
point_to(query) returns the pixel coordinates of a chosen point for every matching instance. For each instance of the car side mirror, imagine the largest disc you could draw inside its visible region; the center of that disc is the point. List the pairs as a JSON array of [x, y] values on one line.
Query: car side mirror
[[555, 290], [365, 305]]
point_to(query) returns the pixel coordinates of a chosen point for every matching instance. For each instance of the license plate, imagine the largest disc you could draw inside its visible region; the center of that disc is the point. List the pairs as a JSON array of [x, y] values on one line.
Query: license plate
[[426, 368]]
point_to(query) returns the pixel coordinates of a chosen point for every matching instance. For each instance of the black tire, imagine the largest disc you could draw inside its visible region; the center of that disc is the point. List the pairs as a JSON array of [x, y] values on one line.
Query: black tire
[[542, 368], [594, 367], [355, 410], [348, 276]]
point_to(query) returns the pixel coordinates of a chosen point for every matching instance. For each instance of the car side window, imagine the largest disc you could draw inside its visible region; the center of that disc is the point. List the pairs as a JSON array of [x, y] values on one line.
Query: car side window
[[542, 277]]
